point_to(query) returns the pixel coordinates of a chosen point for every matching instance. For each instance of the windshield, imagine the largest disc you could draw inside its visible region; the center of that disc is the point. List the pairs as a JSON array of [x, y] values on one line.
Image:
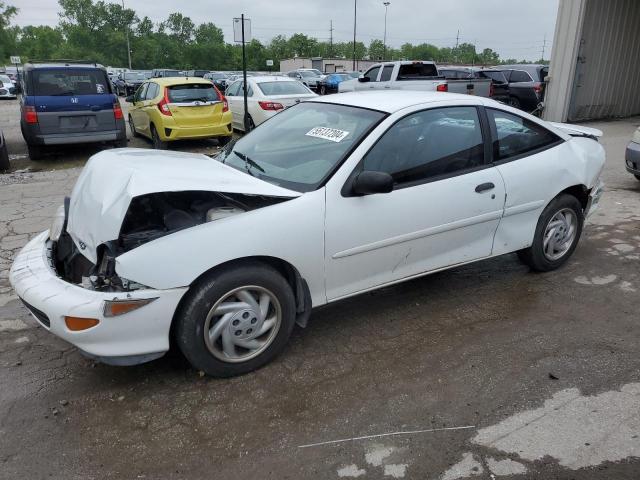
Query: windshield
[[4, 79], [283, 87], [69, 81], [301, 148], [132, 77], [354, 74], [307, 74], [192, 92]]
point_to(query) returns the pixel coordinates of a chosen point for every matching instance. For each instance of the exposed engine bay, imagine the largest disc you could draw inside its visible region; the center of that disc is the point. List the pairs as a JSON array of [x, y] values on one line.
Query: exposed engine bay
[[148, 218]]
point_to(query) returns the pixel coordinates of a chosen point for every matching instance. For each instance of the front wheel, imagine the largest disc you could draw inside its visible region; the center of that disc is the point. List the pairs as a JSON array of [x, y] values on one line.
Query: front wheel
[[4, 156], [236, 320], [132, 127], [557, 234]]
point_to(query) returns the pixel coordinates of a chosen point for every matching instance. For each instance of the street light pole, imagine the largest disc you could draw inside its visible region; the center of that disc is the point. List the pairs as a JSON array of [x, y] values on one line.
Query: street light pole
[[386, 7], [355, 13], [128, 46]]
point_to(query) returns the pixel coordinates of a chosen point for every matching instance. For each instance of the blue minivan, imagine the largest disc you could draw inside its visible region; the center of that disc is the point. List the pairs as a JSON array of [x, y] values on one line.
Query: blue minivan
[[69, 103]]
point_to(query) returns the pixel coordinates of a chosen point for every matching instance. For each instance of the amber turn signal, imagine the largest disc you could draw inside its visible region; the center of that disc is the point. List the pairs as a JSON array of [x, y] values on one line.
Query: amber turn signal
[[113, 308], [76, 324]]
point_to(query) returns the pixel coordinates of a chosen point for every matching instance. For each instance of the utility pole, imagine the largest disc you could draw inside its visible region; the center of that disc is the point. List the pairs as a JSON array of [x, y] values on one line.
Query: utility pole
[[355, 16], [544, 44], [457, 42], [330, 38], [386, 7], [245, 121], [128, 46]]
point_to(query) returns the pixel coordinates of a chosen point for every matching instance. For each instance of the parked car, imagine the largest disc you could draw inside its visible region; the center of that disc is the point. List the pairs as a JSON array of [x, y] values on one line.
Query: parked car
[[526, 85], [329, 84], [219, 79], [500, 84], [69, 103], [7, 87], [632, 155], [128, 82], [267, 96], [339, 196], [169, 109], [465, 80], [309, 76], [196, 73], [165, 72], [4, 154], [398, 76]]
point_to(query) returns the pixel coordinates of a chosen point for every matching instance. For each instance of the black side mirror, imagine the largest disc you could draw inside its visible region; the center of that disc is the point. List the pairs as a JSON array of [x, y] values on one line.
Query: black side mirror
[[364, 79], [129, 98], [369, 182]]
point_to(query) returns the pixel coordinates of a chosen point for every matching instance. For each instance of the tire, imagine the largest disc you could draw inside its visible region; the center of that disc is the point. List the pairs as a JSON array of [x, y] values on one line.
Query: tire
[[222, 141], [514, 102], [35, 152], [567, 233], [637, 177], [132, 127], [158, 144], [4, 156], [251, 124], [195, 317], [323, 90]]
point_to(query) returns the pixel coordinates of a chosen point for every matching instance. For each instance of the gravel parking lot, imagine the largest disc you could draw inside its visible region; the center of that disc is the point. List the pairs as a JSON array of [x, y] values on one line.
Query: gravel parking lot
[[484, 371]]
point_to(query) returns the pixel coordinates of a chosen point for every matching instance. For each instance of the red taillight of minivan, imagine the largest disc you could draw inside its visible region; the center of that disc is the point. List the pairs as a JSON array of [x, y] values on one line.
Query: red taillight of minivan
[[117, 111], [163, 105], [30, 114], [443, 87]]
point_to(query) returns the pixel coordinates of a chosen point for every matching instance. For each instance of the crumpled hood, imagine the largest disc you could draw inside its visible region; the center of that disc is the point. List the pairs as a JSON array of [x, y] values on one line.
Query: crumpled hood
[[111, 178]]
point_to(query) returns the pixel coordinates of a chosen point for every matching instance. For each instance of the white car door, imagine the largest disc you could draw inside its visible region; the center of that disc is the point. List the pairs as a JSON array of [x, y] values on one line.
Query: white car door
[[532, 160], [385, 77], [372, 74], [235, 101], [444, 209]]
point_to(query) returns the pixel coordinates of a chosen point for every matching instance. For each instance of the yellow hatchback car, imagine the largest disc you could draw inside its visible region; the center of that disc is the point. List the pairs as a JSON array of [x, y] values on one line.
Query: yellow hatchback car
[[179, 108]]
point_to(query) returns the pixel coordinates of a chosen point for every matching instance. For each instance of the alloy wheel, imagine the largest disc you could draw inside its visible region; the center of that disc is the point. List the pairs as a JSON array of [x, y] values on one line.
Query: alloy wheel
[[559, 234]]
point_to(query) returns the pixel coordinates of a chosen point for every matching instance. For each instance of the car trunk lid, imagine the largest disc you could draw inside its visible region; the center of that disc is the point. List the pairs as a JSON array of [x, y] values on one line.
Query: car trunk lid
[[194, 105]]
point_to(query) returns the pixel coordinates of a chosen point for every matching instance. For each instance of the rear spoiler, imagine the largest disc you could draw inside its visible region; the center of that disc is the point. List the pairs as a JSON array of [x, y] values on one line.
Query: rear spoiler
[[578, 130]]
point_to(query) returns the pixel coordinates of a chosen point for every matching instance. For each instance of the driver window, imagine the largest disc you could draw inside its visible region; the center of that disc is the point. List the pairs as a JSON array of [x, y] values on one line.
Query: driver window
[[372, 74], [140, 93], [429, 145]]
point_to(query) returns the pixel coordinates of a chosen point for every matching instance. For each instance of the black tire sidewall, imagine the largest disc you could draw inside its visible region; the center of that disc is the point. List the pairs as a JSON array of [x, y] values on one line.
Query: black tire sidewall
[[514, 102], [4, 158], [538, 260], [158, 144], [132, 127], [191, 315]]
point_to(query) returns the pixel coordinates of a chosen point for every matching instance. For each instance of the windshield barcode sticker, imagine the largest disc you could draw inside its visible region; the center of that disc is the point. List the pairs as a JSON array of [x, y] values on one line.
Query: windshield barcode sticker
[[327, 133]]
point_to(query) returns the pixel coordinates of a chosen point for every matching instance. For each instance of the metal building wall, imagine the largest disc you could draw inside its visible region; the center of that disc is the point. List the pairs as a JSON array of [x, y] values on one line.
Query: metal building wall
[[595, 62], [608, 67]]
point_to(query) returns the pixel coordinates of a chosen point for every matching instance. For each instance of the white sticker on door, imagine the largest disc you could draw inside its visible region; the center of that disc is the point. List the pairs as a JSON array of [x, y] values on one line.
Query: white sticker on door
[[327, 133]]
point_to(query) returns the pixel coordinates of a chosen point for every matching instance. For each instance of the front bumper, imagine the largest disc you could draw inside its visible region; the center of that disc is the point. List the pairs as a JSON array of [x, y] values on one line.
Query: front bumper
[[632, 158], [594, 199], [137, 336]]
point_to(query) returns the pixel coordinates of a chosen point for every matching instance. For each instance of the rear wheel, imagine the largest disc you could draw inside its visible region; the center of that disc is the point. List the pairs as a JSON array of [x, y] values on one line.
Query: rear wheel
[[158, 144], [35, 152], [637, 176], [4, 156], [514, 102], [236, 320], [557, 234]]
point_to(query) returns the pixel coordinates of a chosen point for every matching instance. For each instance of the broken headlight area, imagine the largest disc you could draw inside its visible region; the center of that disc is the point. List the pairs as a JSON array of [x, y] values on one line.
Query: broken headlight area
[[148, 218]]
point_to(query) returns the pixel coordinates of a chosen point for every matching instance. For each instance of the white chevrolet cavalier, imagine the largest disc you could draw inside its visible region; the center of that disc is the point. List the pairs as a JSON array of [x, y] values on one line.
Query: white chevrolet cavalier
[[329, 199]]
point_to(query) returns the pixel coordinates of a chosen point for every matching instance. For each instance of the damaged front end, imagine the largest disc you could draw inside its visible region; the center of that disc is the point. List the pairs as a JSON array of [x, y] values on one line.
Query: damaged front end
[[148, 218]]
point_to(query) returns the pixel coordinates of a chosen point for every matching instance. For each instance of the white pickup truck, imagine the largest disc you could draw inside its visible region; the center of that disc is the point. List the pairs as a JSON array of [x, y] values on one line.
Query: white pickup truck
[[398, 76], [413, 75]]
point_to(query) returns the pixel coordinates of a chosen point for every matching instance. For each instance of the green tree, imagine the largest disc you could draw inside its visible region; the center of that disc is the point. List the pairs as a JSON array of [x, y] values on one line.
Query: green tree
[[7, 34], [39, 42], [376, 50]]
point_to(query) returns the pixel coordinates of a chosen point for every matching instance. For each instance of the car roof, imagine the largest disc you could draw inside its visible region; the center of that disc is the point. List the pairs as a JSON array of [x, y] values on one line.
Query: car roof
[[391, 101], [170, 81], [270, 78], [38, 65]]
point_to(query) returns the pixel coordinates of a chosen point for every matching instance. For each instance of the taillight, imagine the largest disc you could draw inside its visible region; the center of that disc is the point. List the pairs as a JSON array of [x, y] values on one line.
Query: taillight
[[117, 111], [443, 87], [225, 105], [163, 105], [271, 106], [30, 114], [537, 87]]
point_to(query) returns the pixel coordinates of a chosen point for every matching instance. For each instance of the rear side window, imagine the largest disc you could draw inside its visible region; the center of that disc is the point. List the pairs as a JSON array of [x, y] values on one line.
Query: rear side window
[[386, 73], [192, 92], [513, 135], [426, 145], [520, 76], [69, 82], [497, 77], [417, 70]]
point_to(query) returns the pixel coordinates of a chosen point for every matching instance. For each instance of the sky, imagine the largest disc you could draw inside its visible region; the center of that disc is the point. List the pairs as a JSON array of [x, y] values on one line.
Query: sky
[[513, 28]]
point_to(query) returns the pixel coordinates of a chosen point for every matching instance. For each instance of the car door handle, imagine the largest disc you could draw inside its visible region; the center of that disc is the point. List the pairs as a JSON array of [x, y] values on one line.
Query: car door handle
[[483, 187]]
